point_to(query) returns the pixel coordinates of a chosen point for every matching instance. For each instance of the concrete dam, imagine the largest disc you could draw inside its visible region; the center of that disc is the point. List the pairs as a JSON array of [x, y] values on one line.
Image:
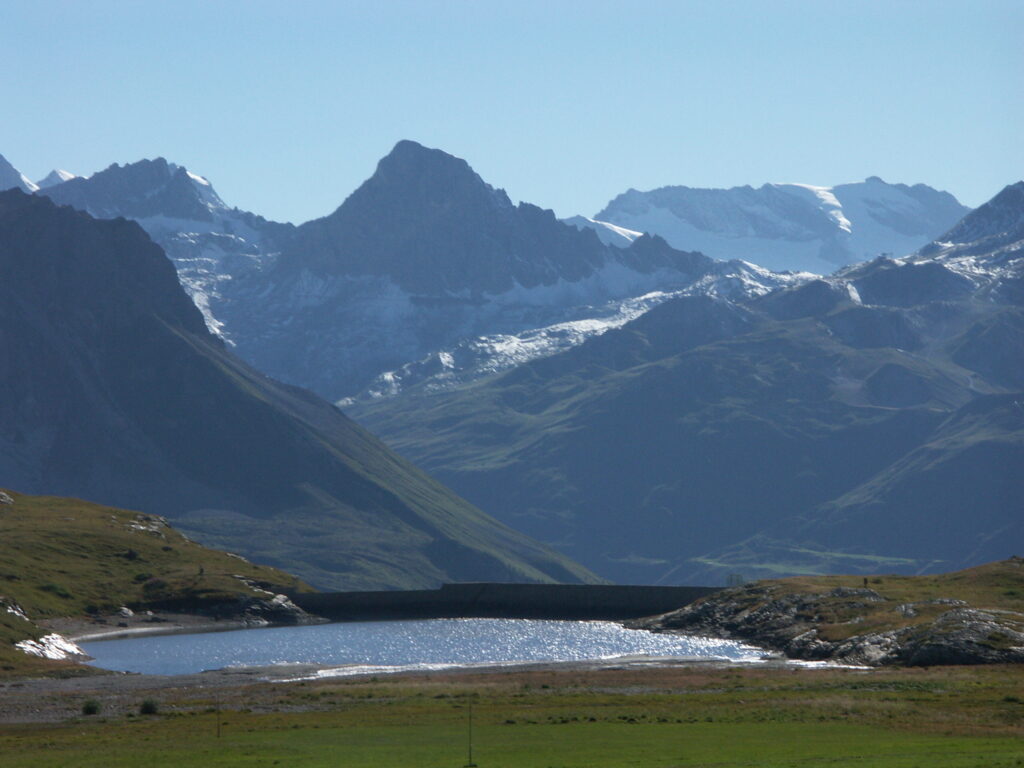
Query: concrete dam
[[503, 601]]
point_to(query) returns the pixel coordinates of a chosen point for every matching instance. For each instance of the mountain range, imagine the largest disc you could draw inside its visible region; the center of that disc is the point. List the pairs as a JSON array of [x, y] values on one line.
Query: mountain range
[[657, 414], [426, 273], [786, 226], [208, 242], [424, 258], [868, 421], [113, 389]]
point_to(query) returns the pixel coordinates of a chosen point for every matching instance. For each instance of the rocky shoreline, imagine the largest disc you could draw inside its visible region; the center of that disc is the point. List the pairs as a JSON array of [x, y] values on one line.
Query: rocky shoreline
[[851, 626], [241, 613]]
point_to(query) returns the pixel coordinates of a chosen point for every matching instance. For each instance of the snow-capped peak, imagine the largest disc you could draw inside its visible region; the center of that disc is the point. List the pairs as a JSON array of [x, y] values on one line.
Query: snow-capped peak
[[607, 233], [202, 186], [791, 226], [11, 177], [825, 199], [55, 177], [197, 178]]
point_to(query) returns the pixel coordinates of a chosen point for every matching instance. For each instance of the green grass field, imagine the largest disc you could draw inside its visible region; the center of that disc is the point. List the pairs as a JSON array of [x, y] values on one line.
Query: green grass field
[[279, 742], [953, 717]]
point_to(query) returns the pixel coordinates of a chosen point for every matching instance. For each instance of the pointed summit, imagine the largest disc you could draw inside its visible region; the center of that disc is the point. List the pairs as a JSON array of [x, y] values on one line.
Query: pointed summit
[[426, 257], [426, 220], [408, 152], [12, 178], [412, 174], [55, 177]]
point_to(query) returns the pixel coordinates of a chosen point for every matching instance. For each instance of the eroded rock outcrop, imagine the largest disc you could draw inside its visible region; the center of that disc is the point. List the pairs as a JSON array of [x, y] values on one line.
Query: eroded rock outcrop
[[852, 626]]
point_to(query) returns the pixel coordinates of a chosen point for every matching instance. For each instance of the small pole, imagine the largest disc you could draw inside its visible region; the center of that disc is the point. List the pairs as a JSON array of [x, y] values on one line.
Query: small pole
[[217, 699], [470, 763]]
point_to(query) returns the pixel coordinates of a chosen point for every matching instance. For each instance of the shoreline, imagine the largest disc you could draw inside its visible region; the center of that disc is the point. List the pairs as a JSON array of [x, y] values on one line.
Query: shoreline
[[82, 630], [19, 696], [87, 631]]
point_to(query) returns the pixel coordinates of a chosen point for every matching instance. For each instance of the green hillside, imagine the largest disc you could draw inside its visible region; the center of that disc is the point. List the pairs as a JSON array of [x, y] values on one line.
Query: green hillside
[[707, 437], [113, 389], [64, 557]]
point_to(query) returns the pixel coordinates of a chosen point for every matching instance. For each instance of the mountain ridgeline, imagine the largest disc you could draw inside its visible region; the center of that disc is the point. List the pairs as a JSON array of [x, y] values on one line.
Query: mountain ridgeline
[[428, 275], [869, 421], [113, 389], [791, 226], [403, 280], [209, 243], [660, 415], [423, 256]]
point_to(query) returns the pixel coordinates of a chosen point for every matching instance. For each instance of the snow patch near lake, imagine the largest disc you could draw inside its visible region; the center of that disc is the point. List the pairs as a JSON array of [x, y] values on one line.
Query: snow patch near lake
[[51, 646]]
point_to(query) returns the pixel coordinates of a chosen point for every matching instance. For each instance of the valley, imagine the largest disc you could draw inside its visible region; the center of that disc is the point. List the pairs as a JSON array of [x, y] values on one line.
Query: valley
[[655, 414], [513, 385]]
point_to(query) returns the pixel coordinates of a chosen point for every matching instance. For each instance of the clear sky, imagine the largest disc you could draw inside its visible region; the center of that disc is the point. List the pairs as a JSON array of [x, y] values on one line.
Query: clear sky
[[287, 106]]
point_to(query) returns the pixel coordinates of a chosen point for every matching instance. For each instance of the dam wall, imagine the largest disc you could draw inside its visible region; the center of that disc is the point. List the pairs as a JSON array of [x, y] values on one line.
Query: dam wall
[[505, 601]]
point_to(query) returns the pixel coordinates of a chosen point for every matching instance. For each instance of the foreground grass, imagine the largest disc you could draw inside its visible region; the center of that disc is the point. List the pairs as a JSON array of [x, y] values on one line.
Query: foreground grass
[[269, 742], [691, 717]]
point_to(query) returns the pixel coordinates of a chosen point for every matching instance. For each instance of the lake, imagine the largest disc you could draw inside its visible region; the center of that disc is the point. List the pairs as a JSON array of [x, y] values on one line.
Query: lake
[[386, 646]]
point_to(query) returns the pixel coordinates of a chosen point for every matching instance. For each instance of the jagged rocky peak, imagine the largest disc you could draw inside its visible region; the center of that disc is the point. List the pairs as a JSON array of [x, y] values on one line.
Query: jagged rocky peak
[[55, 177], [415, 185], [609, 234], [430, 176], [12, 178], [430, 224], [986, 247], [1001, 216], [141, 190]]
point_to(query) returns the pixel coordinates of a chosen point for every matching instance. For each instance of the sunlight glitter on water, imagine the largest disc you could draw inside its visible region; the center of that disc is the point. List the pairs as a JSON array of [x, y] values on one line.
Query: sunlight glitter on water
[[420, 644]]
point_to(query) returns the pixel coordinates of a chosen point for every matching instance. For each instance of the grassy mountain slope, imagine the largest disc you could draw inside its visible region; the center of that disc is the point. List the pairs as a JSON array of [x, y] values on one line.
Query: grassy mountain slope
[[709, 437], [112, 389], [66, 557]]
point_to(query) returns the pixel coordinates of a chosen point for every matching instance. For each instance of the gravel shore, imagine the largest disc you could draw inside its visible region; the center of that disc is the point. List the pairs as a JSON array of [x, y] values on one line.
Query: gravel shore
[[59, 699]]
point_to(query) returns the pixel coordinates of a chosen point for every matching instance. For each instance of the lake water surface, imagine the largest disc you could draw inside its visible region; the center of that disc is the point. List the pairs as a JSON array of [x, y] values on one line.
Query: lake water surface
[[383, 646]]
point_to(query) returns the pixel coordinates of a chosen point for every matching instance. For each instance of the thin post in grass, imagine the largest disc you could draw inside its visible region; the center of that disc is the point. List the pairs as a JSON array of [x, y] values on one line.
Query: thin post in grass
[[469, 742]]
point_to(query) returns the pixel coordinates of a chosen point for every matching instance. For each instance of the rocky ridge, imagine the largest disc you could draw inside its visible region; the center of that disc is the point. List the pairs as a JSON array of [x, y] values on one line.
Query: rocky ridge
[[424, 272], [855, 625]]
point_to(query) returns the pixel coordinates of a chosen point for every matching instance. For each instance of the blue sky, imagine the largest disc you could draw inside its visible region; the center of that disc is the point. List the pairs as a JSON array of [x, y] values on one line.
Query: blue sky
[[287, 106]]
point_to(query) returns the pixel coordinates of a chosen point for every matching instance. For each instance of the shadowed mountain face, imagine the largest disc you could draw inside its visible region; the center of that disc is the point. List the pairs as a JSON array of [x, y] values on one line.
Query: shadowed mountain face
[[114, 390], [871, 421], [209, 243], [426, 271], [428, 222]]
